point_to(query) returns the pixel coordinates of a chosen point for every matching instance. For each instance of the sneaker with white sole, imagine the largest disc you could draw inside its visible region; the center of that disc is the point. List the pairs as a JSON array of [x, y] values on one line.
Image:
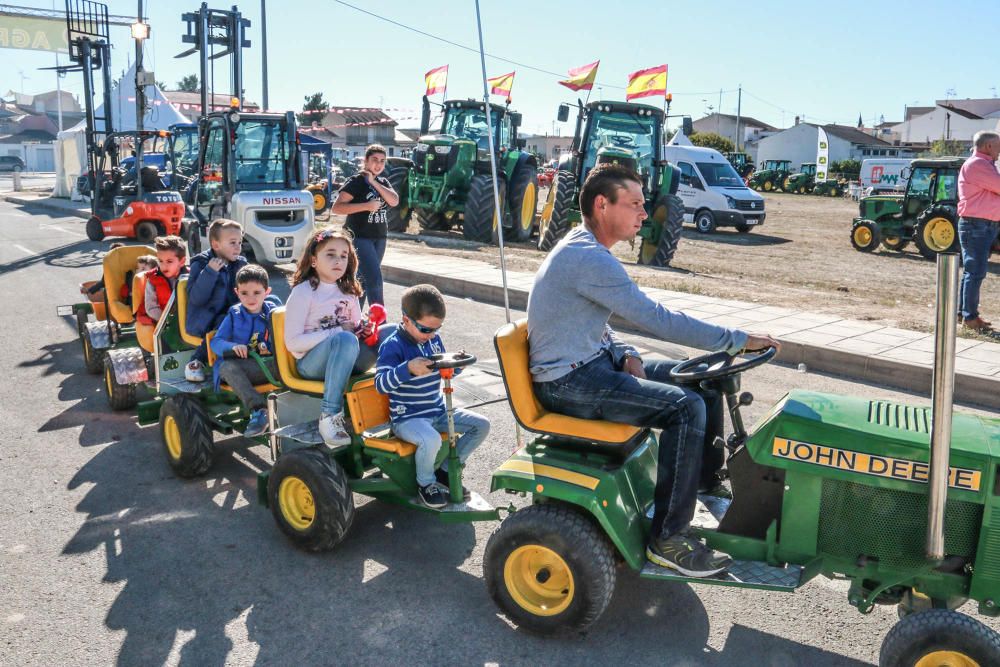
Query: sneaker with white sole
[[194, 371], [332, 429], [687, 555], [257, 423], [432, 496]]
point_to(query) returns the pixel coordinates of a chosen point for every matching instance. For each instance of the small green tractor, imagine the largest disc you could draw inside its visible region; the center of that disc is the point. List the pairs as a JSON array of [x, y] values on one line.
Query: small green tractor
[[450, 181], [803, 181], [831, 187], [771, 175], [620, 133], [742, 163], [926, 212]]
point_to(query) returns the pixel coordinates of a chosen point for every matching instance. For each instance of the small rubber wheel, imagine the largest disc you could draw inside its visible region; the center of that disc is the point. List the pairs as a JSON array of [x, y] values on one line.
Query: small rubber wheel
[[92, 359], [120, 396], [94, 230], [146, 231], [940, 638], [310, 499], [187, 436]]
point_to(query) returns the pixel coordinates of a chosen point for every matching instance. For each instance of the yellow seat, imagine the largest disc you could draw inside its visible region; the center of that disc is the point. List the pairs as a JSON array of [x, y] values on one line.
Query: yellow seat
[[511, 342], [182, 306], [115, 265], [264, 388], [286, 362], [144, 333], [370, 417]]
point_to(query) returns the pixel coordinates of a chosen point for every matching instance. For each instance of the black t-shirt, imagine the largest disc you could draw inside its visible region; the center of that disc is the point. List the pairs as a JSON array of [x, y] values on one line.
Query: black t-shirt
[[366, 224]]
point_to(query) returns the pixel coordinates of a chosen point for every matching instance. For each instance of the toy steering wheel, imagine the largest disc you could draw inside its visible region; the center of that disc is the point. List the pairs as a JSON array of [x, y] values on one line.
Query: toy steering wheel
[[452, 360], [718, 365]]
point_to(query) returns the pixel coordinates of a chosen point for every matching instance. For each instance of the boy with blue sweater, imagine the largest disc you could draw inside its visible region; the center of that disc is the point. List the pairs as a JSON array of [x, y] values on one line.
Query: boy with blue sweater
[[244, 329], [416, 405]]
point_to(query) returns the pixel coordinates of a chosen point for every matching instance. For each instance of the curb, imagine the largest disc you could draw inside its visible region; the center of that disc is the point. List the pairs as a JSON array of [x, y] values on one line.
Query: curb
[[44, 203], [969, 389]]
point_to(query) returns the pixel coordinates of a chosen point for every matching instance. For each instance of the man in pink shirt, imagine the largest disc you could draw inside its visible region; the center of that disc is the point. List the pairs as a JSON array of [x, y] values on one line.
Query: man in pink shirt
[[979, 211]]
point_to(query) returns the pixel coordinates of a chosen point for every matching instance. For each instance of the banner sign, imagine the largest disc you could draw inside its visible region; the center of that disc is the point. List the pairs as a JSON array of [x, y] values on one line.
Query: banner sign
[[33, 33]]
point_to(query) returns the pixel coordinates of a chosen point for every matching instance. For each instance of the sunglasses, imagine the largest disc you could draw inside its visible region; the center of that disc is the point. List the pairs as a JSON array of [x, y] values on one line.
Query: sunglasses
[[420, 327]]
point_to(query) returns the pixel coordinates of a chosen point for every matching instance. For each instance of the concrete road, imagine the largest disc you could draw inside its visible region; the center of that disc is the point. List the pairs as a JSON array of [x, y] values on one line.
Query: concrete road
[[107, 558], [30, 180]]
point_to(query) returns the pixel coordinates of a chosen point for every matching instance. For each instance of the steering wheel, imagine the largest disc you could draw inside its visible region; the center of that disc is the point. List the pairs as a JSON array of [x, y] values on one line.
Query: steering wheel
[[718, 365], [452, 360]]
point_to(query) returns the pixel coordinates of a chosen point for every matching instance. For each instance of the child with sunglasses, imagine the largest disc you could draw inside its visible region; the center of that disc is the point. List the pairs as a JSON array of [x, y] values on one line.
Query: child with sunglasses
[[416, 405]]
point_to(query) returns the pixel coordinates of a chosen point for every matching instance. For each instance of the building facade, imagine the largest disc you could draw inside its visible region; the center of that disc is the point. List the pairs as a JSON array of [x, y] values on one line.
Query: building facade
[[799, 144]]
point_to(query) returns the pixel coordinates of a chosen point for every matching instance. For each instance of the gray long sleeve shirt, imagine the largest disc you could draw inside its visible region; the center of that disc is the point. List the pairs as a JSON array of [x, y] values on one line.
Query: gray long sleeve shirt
[[576, 290]]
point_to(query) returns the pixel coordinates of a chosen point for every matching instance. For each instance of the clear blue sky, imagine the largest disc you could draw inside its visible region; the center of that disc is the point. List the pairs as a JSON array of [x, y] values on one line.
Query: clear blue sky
[[826, 62]]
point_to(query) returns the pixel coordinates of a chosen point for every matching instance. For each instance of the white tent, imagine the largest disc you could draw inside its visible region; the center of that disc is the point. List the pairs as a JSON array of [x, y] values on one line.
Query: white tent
[[679, 139], [71, 146]]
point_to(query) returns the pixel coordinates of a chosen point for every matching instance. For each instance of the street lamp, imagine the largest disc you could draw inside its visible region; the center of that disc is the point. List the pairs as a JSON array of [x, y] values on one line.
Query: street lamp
[[140, 31]]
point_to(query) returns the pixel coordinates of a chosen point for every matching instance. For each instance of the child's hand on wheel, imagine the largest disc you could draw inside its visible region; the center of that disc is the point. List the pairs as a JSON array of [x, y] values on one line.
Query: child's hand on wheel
[[419, 366]]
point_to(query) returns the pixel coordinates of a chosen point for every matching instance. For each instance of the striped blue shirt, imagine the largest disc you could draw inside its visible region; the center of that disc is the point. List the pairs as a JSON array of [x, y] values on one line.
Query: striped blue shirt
[[409, 397]]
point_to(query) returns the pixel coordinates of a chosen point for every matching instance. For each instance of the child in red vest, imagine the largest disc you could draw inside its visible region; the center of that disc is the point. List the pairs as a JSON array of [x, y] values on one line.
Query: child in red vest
[[171, 255]]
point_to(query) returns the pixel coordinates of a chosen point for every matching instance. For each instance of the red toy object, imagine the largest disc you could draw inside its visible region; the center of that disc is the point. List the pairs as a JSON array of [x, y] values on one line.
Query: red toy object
[[376, 317]]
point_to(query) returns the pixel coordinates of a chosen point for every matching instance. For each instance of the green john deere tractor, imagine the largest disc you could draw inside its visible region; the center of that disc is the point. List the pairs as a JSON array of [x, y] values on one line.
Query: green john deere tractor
[[771, 175], [742, 163], [621, 133], [803, 181], [450, 181], [926, 212]]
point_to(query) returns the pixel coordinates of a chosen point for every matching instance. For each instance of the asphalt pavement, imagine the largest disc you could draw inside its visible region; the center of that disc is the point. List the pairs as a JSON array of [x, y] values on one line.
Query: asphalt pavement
[[107, 558]]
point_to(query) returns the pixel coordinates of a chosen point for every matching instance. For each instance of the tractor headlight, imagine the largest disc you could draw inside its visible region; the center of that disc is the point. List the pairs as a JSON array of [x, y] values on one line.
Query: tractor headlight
[[421, 147], [730, 201], [442, 150]]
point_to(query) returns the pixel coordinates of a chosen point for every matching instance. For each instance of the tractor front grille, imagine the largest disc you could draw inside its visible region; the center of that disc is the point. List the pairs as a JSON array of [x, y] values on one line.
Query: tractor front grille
[[903, 417], [437, 165], [890, 525]]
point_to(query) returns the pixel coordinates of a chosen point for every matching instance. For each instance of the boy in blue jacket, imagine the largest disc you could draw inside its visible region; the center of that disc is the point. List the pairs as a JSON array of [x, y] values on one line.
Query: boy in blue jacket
[[416, 406], [211, 280], [243, 329]]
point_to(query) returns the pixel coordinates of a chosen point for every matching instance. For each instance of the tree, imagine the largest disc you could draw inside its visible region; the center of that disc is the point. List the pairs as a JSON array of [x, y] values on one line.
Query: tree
[[189, 84], [162, 85], [314, 102], [846, 167], [712, 140], [943, 147]]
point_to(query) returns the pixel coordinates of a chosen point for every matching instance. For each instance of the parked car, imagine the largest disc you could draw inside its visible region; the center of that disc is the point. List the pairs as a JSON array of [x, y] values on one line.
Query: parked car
[[11, 163], [714, 195]]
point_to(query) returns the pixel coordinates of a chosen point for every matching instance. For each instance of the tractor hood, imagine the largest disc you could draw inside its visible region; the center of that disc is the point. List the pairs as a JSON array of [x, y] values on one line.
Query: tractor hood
[[875, 198], [868, 440], [437, 140]]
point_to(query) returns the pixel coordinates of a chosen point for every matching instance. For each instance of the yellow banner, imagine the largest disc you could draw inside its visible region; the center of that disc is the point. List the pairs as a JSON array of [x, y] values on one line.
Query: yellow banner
[[33, 33]]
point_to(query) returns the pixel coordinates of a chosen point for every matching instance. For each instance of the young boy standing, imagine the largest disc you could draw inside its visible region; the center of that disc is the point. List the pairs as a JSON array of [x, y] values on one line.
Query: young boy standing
[[243, 329], [416, 404], [171, 255], [210, 287]]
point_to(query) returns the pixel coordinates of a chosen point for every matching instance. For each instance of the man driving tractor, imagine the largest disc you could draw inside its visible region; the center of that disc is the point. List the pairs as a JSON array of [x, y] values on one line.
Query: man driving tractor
[[591, 374]]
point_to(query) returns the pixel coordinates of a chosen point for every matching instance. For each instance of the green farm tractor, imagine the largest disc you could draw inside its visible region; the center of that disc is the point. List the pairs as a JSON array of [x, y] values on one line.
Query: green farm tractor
[[803, 181], [831, 187], [771, 175], [742, 163], [450, 180], [926, 212], [841, 487], [619, 133]]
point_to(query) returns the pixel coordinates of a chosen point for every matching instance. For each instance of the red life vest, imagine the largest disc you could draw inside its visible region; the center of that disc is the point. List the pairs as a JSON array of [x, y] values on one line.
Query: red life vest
[[163, 292]]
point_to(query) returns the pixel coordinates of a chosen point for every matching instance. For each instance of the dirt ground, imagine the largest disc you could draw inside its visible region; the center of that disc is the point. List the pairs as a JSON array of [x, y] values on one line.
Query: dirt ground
[[800, 258]]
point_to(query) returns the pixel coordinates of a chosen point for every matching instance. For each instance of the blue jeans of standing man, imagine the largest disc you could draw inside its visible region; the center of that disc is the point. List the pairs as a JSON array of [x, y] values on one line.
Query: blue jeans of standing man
[[976, 236], [331, 361], [598, 390], [370, 253], [471, 428]]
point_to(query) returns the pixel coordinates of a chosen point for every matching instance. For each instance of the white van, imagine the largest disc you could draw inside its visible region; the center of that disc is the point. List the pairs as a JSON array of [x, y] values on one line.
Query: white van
[[884, 175], [713, 193]]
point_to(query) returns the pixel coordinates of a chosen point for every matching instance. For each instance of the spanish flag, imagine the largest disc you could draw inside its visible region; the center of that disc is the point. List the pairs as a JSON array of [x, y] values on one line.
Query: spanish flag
[[437, 80], [647, 83], [582, 78], [501, 85]]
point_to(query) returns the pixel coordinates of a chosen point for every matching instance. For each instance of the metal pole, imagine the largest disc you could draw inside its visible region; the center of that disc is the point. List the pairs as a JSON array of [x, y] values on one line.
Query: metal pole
[[739, 109], [236, 44], [942, 390], [203, 50], [263, 45], [58, 94], [140, 110]]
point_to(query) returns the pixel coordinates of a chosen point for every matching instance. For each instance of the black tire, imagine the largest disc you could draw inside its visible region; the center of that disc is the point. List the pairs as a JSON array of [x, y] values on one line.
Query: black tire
[[432, 222], [398, 217], [92, 359], [310, 499], [194, 238], [921, 635], [146, 231], [523, 203], [120, 396], [895, 243], [94, 230], [81, 322], [186, 434], [543, 538], [743, 228], [936, 231], [480, 212], [865, 236], [704, 221], [554, 221], [668, 213]]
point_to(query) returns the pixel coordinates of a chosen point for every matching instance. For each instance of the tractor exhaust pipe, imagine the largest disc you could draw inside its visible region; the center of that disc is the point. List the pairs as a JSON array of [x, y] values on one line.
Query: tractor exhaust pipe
[[942, 392]]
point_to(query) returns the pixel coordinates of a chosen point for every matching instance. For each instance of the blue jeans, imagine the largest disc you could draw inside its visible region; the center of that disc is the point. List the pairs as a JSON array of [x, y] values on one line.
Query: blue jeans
[[331, 361], [470, 427], [599, 390], [976, 237], [370, 253]]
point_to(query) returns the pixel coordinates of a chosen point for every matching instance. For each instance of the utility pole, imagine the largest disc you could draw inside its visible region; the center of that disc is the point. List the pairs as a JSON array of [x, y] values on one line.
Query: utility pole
[[139, 32], [263, 58], [718, 115], [739, 109]]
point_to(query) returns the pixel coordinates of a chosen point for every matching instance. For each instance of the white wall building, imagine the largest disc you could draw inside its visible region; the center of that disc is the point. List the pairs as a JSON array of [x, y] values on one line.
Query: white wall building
[[943, 122], [799, 143]]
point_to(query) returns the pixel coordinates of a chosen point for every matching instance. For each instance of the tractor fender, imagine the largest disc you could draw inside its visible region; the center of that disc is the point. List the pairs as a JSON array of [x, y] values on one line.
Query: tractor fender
[[99, 334], [129, 365], [522, 159], [670, 178]]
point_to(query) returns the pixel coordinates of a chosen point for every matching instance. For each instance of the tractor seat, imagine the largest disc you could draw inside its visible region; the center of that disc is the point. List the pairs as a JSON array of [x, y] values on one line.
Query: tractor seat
[[589, 435], [287, 370], [144, 333], [264, 388], [370, 417], [182, 306], [116, 264]]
